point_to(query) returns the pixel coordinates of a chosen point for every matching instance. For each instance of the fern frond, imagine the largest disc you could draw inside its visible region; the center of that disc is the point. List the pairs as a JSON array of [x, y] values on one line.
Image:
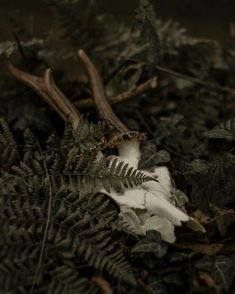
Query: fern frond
[[30, 144], [72, 22], [225, 131], [86, 136], [89, 134], [67, 280], [81, 222], [113, 262], [67, 140], [8, 146], [120, 174]]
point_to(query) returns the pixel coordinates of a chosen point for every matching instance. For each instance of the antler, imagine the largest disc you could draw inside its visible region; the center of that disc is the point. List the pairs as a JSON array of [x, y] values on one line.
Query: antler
[[103, 107], [121, 133], [46, 88]]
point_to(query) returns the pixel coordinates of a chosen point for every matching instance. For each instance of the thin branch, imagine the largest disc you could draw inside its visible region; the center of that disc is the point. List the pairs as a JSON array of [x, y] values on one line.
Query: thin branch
[[21, 49], [145, 86], [194, 80], [151, 83]]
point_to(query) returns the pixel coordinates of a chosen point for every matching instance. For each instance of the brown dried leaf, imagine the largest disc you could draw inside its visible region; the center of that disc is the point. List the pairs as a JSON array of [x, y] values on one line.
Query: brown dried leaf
[[208, 249], [201, 217], [104, 286], [223, 218], [209, 281]]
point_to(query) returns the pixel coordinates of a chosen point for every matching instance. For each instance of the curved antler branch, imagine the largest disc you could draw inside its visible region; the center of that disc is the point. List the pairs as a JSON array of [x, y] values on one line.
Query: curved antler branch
[[46, 88], [101, 101]]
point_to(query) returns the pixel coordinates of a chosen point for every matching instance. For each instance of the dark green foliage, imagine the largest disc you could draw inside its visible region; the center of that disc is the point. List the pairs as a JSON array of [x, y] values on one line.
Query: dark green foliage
[[149, 249], [130, 176], [72, 19], [8, 147], [151, 157], [27, 114], [220, 268], [221, 181], [146, 19], [196, 174], [80, 226], [86, 136], [204, 101], [60, 249], [225, 131]]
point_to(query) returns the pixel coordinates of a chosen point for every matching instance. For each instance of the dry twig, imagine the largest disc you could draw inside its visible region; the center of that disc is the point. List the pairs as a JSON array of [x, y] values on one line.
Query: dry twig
[[103, 284], [145, 86]]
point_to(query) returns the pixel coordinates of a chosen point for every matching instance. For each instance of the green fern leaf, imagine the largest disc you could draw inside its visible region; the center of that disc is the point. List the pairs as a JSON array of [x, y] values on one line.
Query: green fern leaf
[[121, 175]]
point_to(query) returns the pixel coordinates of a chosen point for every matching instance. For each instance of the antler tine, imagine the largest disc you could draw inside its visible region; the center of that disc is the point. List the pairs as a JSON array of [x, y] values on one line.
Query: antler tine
[[46, 88], [33, 81], [101, 101], [62, 103]]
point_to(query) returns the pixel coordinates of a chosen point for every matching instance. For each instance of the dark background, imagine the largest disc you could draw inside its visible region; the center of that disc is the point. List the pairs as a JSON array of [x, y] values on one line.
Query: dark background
[[203, 18]]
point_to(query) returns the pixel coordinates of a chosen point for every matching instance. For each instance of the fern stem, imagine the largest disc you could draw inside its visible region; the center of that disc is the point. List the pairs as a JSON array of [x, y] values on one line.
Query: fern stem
[[49, 210]]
